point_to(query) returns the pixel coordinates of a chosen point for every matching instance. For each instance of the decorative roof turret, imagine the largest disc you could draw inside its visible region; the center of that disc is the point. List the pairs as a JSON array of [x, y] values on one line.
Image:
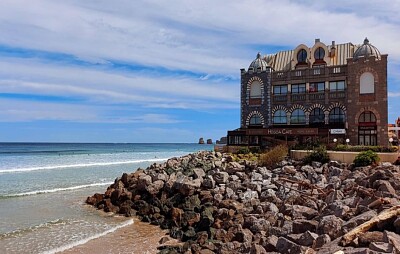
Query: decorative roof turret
[[259, 63], [367, 50]]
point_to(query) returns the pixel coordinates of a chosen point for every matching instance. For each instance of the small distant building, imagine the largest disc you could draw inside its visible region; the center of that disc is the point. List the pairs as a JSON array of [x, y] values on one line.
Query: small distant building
[[318, 93]]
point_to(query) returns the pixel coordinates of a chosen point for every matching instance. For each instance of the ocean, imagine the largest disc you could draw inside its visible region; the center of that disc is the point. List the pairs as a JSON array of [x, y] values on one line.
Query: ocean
[[43, 188]]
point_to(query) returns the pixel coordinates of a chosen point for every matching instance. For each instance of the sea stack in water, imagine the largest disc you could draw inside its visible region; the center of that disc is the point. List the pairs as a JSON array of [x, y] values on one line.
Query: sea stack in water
[[201, 141], [209, 141], [215, 204]]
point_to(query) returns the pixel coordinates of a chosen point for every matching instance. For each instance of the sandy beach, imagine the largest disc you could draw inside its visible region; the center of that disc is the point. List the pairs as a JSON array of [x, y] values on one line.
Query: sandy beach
[[139, 237]]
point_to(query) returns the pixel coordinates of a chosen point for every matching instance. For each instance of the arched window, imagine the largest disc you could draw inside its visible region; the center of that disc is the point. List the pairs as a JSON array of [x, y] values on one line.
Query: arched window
[[298, 117], [336, 115], [302, 56], [367, 130], [319, 54], [280, 117], [317, 116], [255, 89], [367, 117], [255, 120], [367, 83]]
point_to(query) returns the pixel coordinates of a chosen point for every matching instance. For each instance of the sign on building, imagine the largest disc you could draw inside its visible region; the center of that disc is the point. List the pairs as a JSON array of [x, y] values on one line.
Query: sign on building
[[337, 131]]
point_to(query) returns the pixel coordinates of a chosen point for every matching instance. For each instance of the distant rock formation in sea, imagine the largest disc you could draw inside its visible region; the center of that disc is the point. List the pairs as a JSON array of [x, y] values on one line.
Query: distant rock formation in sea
[[209, 141], [201, 141]]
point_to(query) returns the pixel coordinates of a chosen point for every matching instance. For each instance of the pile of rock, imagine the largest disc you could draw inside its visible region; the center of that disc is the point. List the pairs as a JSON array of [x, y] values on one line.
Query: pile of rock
[[216, 205]]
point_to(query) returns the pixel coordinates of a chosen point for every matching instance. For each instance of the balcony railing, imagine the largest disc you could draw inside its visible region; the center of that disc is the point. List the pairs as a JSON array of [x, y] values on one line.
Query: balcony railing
[[317, 96], [320, 72]]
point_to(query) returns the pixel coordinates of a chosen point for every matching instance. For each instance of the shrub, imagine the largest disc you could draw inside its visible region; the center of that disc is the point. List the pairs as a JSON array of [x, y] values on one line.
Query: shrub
[[360, 148], [273, 156], [243, 150], [366, 158], [319, 154]]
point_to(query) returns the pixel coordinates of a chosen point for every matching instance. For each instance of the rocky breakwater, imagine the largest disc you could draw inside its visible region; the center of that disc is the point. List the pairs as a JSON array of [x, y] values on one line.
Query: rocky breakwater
[[216, 205]]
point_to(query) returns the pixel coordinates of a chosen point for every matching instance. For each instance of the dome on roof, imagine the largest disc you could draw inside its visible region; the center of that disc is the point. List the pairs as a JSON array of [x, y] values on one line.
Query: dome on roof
[[367, 50], [259, 62]]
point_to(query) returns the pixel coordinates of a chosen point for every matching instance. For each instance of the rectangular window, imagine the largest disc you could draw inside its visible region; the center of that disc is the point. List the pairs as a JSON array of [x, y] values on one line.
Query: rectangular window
[[336, 85], [299, 88], [317, 87], [280, 89]]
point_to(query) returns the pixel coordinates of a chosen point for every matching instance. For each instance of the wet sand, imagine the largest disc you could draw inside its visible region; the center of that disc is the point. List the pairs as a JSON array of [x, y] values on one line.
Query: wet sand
[[139, 237]]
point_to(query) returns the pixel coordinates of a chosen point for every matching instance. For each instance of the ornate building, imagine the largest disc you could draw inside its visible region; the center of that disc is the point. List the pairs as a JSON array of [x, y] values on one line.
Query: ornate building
[[326, 92]]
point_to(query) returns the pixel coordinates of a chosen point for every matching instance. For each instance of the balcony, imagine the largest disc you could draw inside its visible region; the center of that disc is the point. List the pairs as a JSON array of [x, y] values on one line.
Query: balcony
[[316, 96], [337, 94], [310, 73], [299, 97]]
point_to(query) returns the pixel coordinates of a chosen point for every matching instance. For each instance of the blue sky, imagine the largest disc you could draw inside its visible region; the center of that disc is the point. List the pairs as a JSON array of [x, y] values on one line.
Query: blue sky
[[152, 71]]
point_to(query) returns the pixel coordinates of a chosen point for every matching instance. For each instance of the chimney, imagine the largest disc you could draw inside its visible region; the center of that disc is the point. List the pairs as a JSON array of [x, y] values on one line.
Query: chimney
[[317, 40], [333, 49]]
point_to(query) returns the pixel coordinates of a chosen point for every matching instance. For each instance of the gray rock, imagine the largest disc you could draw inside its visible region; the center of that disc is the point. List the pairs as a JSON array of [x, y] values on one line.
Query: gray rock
[[221, 177], [321, 241], [330, 225], [307, 238], [286, 246], [302, 225], [381, 247]]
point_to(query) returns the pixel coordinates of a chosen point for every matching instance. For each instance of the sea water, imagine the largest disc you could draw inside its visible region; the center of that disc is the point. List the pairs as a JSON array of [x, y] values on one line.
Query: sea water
[[43, 187]]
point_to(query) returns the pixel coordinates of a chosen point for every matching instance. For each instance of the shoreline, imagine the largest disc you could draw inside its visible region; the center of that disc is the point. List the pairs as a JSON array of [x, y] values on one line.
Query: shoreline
[[139, 237]]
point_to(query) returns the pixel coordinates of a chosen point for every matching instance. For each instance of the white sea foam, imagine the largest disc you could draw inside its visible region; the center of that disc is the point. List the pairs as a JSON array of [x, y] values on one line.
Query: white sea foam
[[16, 170], [83, 241], [58, 189]]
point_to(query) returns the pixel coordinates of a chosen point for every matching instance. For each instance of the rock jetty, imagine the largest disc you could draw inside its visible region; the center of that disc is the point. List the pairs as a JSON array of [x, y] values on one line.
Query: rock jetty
[[214, 204]]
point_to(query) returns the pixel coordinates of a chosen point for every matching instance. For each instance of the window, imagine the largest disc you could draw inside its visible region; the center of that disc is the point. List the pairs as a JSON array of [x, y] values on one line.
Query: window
[[367, 134], [367, 117], [298, 117], [302, 56], [317, 87], [299, 88], [336, 85], [280, 89], [280, 117], [255, 120], [336, 116], [367, 83], [319, 54], [255, 89], [317, 116]]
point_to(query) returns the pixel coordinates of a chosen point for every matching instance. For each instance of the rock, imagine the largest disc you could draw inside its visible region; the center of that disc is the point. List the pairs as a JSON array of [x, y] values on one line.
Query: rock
[[164, 239], [155, 187], [358, 220], [302, 225], [307, 238], [186, 186], [208, 182], [330, 225], [201, 141], [209, 141], [286, 246], [321, 241], [221, 177], [269, 243], [257, 249], [381, 247], [144, 181]]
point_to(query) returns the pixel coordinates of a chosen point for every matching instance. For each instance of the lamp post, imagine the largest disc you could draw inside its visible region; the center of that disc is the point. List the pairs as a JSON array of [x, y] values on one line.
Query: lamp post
[[391, 141], [347, 141]]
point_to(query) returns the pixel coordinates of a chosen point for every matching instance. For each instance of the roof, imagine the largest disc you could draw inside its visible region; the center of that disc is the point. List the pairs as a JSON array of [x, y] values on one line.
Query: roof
[[281, 61]]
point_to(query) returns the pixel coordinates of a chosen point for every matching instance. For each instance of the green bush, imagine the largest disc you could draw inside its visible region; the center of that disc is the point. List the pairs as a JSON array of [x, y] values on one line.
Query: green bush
[[243, 150], [377, 149], [366, 158], [273, 156], [319, 154]]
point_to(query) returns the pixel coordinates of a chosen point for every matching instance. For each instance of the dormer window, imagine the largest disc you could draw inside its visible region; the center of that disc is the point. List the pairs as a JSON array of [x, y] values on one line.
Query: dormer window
[[302, 56], [319, 54]]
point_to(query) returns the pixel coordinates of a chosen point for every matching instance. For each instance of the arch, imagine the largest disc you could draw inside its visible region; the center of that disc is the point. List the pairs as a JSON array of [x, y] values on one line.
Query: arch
[[248, 89], [317, 116], [367, 83], [361, 72], [367, 128], [255, 89], [257, 114], [279, 117], [316, 105], [337, 105], [373, 110], [316, 50], [297, 106], [295, 56], [298, 116], [336, 115], [279, 107]]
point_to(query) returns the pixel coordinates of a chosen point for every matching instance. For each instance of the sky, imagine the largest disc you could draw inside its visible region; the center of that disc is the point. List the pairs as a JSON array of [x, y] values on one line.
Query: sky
[[160, 71]]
